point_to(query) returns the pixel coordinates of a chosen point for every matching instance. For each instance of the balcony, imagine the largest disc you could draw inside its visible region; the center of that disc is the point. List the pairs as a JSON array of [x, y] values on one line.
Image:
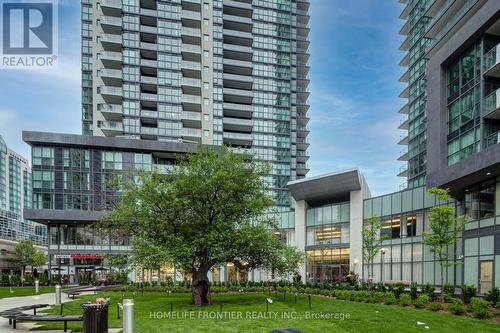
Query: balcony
[[237, 124], [492, 139], [237, 110], [191, 32], [110, 41], [110, 24], [191, 103], [237, 4], [302, 168], [191, 119], [491, 62], [403, 171], [237, 81], [404, 156], [149, 131], [404, 123], [149, 46], [112, 95], [237, 96], [237, 139], [149, 29], [302, 143], [302, 156], [149, 114], [149, 63], [190, 15], [111, 59], [491, 103], [190, 50], [149, 12], [110, 111], [302, 131], [110, 128], [111, 7], [149, 80], [191, 86], [193, 134], [110, 77], [238, 67], [149, 97]]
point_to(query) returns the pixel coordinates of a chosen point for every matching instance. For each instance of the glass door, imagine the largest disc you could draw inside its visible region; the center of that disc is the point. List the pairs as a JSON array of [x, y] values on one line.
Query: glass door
[[486, 276]]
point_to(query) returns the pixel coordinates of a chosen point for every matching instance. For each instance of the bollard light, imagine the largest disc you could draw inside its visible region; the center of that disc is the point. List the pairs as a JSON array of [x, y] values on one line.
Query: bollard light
[[37, 287], [128, 316], [58, 294]]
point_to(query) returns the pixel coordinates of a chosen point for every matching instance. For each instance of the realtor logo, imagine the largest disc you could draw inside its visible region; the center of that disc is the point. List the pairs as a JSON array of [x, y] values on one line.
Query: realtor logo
[[29, 34]]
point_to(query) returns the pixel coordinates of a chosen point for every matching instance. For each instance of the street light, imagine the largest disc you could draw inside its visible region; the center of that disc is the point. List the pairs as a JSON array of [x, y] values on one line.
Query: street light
[[382, 252]]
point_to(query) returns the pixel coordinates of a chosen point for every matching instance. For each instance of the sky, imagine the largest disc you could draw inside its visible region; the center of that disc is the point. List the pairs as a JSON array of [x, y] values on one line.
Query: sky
[[354, 89]]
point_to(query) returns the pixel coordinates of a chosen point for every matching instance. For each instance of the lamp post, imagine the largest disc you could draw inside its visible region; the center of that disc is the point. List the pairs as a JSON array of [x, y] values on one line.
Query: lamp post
[[382, 252]]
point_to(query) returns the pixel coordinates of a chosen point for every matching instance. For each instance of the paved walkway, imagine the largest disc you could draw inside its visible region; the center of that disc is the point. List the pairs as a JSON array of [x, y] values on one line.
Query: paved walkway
[[24, 327]]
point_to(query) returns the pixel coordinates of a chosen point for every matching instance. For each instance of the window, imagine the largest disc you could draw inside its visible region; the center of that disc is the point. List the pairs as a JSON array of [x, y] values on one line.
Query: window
[[480, 201], [112, 160], [206, 117], [206, 85], [411, 226], [206, 22], [391, 228], [206, 101], [206, 37], [43, 156], [206, 133], [206, 54]]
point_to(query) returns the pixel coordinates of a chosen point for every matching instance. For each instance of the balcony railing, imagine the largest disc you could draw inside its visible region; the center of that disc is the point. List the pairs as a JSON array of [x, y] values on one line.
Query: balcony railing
[[491, 102], [491, 58], [492, 139], [110, 125]]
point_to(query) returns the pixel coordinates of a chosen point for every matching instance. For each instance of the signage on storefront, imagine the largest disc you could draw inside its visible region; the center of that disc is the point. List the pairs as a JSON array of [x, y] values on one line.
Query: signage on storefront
[[77, 256], [62, 256]]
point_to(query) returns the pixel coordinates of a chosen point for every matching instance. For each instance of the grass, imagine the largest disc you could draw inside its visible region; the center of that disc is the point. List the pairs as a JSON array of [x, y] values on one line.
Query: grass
[[23, 291], [362, 317]]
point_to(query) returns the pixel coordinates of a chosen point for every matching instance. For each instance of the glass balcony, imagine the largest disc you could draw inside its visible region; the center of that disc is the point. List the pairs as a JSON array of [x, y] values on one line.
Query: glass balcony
[[110, 126], [491, 62], [492, 139], [491, 104]]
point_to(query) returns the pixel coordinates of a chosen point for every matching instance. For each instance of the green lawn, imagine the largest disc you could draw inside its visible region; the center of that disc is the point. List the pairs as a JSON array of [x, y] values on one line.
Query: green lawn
[[23, 291], [362, 317]]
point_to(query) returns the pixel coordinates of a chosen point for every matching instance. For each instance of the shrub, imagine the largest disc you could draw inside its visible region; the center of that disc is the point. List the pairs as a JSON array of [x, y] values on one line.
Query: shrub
[[434, 306], [493, 296], [413, 291], [398, 290], [404, 300], [429, 291], [448, 298], [378, 297], [448, 289], [390, 298], [456, 307], [380, 286], [421, 301], [468, 291], [480, 308]]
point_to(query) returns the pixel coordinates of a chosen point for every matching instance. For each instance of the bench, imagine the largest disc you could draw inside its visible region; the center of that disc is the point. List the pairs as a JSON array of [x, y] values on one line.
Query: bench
[[16, 314], [72, 293]]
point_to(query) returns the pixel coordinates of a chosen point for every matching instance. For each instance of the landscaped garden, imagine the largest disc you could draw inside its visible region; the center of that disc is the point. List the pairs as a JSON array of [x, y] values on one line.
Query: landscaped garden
[[23, 291], [248, 309]]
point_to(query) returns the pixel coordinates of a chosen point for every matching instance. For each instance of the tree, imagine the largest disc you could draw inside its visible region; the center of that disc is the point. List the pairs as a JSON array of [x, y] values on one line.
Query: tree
[[117, 261], [209, 210], [148, 255], [372, 241], [25, 254], [444, 228]]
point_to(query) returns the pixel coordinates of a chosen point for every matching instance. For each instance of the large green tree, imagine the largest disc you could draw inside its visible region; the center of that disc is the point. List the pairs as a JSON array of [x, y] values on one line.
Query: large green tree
[[444, 229], [211, 209], [25, 254], [372, 241]]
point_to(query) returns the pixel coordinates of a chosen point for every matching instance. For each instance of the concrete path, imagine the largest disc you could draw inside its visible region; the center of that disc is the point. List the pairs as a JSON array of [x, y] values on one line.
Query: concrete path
[[23, 327]]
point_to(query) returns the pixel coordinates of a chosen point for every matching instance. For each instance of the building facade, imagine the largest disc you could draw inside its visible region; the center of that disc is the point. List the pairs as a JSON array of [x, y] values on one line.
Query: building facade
[[212, 72], [15, 195], [73, 187]]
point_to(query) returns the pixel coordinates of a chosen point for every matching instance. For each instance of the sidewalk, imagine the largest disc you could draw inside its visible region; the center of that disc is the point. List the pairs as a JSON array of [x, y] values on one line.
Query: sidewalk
[[24, 327]]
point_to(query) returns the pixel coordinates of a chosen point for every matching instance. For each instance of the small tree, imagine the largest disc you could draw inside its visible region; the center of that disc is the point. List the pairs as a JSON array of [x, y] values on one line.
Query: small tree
[[372, 241], [25, 254], [444, 228]]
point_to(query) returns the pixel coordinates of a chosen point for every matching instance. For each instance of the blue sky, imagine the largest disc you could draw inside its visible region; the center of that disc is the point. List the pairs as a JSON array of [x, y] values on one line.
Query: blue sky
[[354, 89]]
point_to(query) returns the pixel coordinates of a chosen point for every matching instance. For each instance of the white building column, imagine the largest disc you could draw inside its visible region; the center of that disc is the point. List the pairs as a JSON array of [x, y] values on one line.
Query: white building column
[[300, 233]]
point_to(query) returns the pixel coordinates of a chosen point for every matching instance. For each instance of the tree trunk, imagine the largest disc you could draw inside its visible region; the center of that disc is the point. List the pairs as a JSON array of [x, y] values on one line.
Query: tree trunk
[[442, 281], [158, 283], [200, 288]]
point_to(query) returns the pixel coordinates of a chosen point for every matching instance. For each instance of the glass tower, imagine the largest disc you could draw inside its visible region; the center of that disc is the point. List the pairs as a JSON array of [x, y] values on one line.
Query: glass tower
[[15, 194], [231, 72]]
